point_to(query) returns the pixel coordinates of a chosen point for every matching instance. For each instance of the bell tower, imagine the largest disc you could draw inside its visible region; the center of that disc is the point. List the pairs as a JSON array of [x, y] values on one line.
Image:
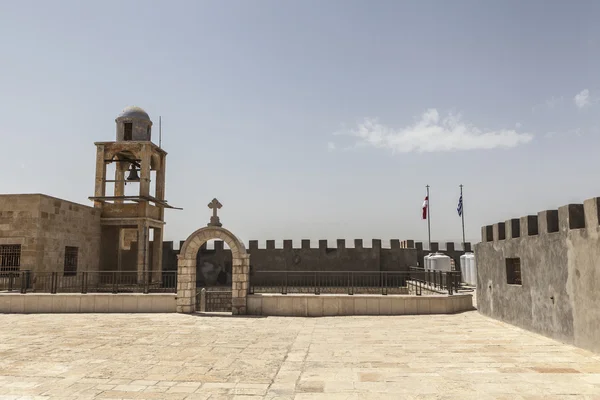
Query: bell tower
[[126, 217]]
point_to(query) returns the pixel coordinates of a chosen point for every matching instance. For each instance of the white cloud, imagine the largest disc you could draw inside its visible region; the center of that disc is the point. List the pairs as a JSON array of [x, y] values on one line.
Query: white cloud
[[331, 146], [518, 125], [582, 99], [430, 133]]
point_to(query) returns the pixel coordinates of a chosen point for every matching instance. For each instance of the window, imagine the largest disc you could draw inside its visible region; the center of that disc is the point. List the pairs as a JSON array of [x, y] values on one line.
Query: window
[[513, 271], [10, 257], [70, 260], [128, 131]]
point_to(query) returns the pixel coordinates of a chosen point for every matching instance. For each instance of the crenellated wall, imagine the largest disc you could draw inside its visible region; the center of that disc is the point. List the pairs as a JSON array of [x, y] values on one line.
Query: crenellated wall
[[331, 258], [450, 250], [323, 256], [559, 256]]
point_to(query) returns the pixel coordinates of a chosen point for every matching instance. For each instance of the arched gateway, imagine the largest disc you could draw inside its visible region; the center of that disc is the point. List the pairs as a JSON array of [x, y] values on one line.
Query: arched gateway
[[186, 265]]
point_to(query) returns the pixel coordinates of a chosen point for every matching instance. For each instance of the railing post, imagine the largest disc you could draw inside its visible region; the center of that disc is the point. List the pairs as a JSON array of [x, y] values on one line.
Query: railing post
[[53, 282], [84, 282], [115, 285], [203, 300], [23, 283], [317, 291], [147, 278], [348, 283], [285, 283]]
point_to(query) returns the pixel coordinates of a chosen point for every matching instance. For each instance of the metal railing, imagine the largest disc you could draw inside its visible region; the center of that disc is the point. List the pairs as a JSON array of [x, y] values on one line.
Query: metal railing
[[438, 280], [90, 282], [353, 282]]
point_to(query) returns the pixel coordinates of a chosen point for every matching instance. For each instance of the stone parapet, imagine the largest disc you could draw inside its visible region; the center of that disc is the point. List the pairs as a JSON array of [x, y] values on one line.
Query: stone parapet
[[40, 303], [306, 305]]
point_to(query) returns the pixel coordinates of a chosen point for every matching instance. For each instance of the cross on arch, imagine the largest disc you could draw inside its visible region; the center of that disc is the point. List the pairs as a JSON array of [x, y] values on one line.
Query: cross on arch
[[214, 205]]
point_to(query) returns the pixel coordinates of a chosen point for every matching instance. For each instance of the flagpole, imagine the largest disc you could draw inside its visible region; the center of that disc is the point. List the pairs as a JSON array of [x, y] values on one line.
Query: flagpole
[[428, 214], [462, 214]]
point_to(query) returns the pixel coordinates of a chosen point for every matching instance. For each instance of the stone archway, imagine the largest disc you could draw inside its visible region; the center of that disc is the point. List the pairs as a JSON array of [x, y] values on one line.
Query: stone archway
[[186, 269]]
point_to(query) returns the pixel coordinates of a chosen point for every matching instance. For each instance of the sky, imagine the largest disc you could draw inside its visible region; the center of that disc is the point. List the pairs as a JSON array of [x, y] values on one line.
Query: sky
[[312, 119]]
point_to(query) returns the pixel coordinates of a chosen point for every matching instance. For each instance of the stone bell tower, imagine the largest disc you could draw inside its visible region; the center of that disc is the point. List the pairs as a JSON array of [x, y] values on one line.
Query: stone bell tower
[[126, 218]]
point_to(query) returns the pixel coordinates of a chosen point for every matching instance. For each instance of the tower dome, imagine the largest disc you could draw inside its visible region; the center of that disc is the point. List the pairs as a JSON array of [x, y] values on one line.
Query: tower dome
[[133, 124], [134, 112]]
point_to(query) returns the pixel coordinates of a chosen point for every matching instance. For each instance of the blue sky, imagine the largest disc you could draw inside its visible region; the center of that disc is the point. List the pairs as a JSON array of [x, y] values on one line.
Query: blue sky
[[312, 119]]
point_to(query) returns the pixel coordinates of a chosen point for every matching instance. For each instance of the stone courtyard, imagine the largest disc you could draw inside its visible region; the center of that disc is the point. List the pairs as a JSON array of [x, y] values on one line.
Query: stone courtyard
[[176, 356]]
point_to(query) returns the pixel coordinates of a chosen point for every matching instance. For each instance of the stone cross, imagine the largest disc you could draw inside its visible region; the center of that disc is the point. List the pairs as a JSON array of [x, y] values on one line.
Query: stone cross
[[215, 205]]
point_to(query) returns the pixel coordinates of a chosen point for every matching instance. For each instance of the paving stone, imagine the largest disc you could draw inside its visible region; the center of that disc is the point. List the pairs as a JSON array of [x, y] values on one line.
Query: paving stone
[[187, 357]]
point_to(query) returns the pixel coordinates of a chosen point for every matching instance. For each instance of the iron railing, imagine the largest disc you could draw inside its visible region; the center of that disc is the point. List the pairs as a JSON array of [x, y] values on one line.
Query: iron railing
[[438, 280], [354, 282], [90, 282]]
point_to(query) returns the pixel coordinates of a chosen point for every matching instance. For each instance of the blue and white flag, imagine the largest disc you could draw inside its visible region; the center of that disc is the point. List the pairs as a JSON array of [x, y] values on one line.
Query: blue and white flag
[[459, 208]]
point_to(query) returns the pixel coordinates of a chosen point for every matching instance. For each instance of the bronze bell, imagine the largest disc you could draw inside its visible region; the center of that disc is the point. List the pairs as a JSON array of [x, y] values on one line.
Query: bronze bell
[[133, 174]]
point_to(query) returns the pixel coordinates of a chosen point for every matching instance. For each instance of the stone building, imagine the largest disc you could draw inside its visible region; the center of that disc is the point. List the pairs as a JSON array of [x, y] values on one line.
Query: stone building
[[45, 234], [542, 273], [40, 233]]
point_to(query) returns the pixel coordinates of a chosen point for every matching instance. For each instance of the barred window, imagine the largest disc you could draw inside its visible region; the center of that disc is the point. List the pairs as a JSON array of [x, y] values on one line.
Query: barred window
[[10, 257], [513, 271], [71, 260]]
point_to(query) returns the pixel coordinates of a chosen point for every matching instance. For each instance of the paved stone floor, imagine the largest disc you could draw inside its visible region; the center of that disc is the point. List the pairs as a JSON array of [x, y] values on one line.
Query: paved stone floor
[[171, 356]]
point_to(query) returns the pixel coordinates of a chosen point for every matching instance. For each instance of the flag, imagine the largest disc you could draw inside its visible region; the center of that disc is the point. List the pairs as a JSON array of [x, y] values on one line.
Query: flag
[[425, 204], [459, 208]]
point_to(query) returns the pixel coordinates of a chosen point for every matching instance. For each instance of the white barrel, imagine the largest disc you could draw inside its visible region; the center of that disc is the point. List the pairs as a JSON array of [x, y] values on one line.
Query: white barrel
[[463, 269], [426, 263], [473, 270], [440, 262], [470, 269]]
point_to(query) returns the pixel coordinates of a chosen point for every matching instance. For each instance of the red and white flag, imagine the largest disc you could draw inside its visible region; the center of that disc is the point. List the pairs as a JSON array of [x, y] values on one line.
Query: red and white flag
[[425, 206]]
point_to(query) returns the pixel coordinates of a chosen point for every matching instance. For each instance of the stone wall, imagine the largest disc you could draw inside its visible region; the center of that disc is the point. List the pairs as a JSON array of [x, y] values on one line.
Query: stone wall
[[327, 256], [331, 258], [86, 303], [450, 250], [63, 223], [306, 305], [19, 224], [44, 225], [559, 255]]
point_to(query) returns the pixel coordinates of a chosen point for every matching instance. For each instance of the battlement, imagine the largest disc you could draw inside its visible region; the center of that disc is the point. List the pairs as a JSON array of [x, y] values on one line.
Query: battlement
[[435, 246], [338, 244], [323, 244], [561, 220]]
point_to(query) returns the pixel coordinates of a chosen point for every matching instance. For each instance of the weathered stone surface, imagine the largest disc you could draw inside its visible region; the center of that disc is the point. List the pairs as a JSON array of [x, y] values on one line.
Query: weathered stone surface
[[463, 356], [44, 226], [556, 293], [187, 273]]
